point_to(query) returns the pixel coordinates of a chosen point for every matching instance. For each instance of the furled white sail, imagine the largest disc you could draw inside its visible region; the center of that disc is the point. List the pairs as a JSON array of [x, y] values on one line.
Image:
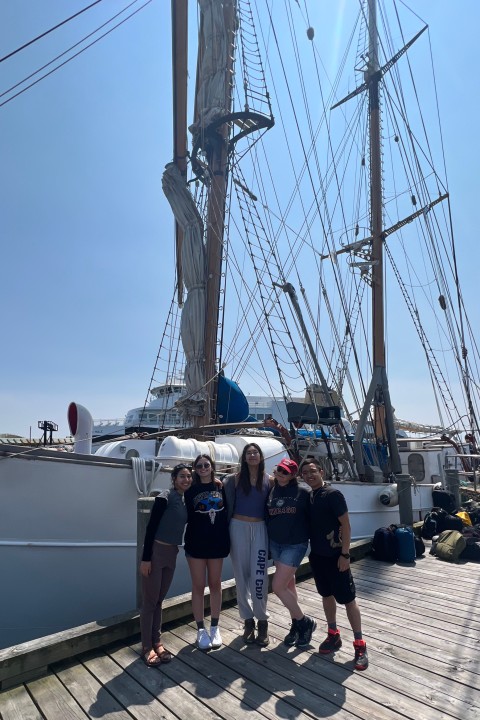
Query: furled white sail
[[192, 327], [211, 100]]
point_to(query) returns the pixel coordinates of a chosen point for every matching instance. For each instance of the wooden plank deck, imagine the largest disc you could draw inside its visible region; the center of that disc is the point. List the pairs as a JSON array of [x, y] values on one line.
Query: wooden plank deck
[[422, 632]]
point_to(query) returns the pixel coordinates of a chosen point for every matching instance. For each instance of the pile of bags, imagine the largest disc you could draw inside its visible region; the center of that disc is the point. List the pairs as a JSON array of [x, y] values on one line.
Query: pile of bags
[[455, 533], [397, 543]]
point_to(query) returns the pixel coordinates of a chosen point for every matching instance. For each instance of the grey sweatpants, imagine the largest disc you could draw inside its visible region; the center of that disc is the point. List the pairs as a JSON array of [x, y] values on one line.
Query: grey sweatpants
[[249, 555]]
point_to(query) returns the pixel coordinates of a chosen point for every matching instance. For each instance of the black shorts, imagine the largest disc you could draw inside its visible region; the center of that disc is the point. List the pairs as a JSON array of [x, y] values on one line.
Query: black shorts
[[330, 581]]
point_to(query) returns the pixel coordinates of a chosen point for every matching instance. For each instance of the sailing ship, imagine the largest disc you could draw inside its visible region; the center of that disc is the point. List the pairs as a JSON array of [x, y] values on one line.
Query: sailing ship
[[324, 220], [260, 203]]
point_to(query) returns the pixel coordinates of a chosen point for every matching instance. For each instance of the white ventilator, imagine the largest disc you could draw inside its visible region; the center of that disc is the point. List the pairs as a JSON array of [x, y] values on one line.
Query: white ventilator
[[81, 426]]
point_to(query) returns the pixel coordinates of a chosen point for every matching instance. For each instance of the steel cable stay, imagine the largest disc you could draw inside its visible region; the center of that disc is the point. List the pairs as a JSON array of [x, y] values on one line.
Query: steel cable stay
[[82, 50], [268, 313], [305, 163], [442, 283], [169, 363], [260, 316], [441, 382], [440, 273], [270, 264], [342, 357], [347, 313], [260, 249]]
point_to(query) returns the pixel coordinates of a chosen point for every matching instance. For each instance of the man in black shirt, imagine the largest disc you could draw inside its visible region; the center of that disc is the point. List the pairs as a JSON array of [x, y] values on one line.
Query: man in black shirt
[[330, 536]]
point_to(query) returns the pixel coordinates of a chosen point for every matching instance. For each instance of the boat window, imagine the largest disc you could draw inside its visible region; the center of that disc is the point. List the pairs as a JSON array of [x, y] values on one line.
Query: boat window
[[416, 466]]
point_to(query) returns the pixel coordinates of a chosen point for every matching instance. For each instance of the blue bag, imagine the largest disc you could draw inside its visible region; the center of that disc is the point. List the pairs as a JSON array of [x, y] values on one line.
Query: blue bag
[[405, 542]]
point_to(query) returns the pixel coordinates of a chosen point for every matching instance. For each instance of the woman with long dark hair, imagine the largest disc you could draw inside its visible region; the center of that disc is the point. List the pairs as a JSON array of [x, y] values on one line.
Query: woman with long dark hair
[[163, 535], [207, 543], [247, 493]]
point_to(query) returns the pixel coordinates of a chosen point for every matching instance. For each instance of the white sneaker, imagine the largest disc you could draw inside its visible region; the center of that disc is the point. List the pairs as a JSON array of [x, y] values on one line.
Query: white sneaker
[[203, 640], [215, 637]]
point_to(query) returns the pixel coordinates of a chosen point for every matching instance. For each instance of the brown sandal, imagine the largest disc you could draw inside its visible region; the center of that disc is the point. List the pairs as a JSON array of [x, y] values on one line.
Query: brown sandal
[[151, 660], [165, 656]]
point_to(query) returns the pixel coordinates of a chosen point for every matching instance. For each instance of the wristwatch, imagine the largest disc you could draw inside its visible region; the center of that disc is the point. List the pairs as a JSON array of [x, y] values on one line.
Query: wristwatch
[[345, 555]]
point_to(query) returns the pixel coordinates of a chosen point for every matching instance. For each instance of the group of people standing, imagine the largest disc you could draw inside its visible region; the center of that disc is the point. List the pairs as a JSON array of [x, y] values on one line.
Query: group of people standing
[[253, 518]]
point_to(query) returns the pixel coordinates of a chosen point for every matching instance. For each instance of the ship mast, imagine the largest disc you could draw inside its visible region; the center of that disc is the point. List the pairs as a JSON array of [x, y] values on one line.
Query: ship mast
[[179, 85], [218, 128], [215, 131], [376, 207], [371, 249], [217, 157], [378, 394]]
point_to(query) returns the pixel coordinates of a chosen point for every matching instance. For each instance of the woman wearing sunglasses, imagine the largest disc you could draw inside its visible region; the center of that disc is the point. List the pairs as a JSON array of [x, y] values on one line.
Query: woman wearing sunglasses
[[247, 493], [163, 535], [288, 530], [207, 542]]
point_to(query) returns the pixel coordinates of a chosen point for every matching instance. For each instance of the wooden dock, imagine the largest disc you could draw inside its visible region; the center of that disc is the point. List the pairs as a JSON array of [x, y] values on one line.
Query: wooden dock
[[422, 631]]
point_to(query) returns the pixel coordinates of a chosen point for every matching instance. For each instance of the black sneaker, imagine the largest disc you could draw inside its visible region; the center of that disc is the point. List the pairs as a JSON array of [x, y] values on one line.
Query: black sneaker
[[249, 631], [292, 636], [262, 636], [332, 642], [361, 655], [306, 627]]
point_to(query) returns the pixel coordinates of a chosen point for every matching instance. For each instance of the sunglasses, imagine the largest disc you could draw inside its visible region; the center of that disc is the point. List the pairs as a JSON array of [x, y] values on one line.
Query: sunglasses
[[182, 466], [202, 466], [283, 471]]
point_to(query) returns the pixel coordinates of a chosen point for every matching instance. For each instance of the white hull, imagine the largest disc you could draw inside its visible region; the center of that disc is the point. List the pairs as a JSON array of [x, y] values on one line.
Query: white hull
[[68, 539]]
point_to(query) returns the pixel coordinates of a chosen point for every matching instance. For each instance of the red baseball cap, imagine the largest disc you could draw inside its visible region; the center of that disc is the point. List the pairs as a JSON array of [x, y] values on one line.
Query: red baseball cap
[[289, 465]]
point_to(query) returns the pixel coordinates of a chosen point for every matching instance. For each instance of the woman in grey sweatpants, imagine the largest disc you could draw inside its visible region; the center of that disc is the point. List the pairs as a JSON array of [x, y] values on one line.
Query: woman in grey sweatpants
[[247, 493]]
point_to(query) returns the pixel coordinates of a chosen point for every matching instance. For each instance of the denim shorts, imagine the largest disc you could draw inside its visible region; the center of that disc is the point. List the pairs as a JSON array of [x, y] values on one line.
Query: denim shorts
[[288, 554]]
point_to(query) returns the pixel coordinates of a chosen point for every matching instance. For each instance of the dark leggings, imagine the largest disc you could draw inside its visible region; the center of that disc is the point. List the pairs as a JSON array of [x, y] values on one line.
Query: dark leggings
[[154, 590]]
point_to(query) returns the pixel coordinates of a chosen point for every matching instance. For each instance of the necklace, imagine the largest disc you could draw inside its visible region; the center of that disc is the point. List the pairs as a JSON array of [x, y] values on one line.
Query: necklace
[[314, 493]]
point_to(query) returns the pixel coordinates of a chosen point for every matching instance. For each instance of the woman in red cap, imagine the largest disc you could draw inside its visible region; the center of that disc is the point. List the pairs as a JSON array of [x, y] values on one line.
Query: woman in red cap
[[288, 529]]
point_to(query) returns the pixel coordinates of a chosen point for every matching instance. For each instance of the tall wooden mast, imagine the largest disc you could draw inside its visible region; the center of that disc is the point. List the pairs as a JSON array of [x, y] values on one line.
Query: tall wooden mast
[[376, 208], [218, 164], [217, 151], [216, 130], [370, 251], [378, 393], [179, 79]]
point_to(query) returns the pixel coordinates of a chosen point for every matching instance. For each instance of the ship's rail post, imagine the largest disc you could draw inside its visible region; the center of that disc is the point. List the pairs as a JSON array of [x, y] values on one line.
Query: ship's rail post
[[404, 489]]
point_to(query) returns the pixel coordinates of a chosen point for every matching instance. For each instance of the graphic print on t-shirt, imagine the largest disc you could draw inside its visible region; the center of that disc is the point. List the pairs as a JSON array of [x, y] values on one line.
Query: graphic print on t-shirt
[[330, 537], [209, 502]]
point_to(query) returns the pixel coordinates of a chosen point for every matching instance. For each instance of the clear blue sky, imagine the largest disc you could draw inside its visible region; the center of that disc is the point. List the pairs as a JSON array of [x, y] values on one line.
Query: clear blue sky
[[87, 237]]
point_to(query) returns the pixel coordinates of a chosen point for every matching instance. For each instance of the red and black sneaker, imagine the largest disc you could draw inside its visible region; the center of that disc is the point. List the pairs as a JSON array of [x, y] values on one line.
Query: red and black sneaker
[[361, 655], [332, 642]]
